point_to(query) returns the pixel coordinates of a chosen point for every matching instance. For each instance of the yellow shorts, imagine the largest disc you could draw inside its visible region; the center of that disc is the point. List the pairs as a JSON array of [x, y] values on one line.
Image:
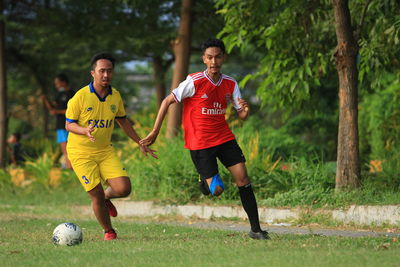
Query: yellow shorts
[[93, 168]]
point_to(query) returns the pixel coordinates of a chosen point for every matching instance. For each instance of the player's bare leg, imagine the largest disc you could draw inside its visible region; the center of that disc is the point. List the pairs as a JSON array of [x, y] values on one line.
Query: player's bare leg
[[118, 187], [239, 173], [99, 209]]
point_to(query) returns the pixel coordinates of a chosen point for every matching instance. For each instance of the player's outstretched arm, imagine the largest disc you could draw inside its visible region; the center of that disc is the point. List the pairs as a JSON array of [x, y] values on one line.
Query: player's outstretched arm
[[75, 128], [244, 111], [58, 111], [126, 126], [152, 136]]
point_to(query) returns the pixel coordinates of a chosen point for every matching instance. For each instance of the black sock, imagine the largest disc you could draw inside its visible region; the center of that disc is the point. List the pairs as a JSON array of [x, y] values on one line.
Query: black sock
[[250, 206]]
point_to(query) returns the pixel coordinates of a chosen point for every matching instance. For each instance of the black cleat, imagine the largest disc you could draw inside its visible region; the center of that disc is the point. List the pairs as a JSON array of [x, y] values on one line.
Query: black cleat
[[263, 235], [204, 187]]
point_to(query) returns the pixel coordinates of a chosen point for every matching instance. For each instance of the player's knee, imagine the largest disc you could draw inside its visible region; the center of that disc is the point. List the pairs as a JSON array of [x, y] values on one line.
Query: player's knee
[[97, 194], [126, 191], [242, 181]]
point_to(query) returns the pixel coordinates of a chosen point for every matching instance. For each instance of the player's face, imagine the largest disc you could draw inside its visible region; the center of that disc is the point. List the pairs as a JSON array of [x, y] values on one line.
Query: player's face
[[102, 74], [213, 57], [59, 84], [11, 139]]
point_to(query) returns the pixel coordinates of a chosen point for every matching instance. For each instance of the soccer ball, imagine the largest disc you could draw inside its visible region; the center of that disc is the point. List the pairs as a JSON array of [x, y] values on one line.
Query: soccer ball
[[67, 234]]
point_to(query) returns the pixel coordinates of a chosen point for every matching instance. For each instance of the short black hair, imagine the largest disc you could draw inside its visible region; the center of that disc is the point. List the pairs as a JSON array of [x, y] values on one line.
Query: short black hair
[[62, 78], [213, 42], [17, 136], [103, 55]]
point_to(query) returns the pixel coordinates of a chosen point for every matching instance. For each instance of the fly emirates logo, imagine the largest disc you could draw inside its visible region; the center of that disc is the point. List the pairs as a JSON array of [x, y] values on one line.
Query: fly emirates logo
[[216, 110]]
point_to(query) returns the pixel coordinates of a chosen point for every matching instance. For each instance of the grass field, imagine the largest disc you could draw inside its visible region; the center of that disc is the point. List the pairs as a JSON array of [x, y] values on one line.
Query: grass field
[[26, 241], [26, 226]]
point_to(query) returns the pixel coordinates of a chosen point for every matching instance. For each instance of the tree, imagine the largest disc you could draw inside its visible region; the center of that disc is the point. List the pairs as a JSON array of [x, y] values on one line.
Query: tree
[[48, 37], [160, 68], [348, 161], [150, 41], [3, 90], [181, 48], [296, 39]]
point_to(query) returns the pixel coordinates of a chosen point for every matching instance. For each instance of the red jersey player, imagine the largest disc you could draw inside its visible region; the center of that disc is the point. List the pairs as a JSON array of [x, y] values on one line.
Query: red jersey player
[[205, 96]]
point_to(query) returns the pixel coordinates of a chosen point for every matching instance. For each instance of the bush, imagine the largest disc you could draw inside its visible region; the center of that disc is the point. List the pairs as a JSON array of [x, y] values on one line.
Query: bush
[[300, 136], [380, 126]]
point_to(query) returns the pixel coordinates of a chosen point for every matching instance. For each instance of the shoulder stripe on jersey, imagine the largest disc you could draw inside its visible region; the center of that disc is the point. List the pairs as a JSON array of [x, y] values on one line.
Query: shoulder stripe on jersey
[[71, 120], [120, 117], [228, 77], [195, 74], [198, 76]]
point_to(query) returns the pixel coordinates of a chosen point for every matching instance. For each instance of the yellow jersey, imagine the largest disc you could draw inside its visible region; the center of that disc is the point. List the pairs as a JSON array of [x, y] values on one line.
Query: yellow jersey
[[88, 108]]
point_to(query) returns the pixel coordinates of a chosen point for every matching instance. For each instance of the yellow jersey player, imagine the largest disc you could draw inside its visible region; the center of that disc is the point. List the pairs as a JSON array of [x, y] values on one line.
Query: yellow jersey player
[[90, 119]]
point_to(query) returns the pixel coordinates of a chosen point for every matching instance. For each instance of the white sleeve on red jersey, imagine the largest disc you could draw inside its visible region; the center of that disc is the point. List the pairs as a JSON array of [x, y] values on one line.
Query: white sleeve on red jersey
[[184, 90], [236, 95]]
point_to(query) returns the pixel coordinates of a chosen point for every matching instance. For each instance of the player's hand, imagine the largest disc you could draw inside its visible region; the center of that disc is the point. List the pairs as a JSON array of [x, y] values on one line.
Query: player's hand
[[89, 131], [144, 149], [149, 139], [243, 104]]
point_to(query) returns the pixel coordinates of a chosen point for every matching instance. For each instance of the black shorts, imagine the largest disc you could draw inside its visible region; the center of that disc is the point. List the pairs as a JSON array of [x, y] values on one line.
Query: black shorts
[[205, 160]]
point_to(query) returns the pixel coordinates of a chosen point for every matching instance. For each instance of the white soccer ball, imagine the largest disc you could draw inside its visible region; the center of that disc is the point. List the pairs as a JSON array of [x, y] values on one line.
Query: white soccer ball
[[67, 234]]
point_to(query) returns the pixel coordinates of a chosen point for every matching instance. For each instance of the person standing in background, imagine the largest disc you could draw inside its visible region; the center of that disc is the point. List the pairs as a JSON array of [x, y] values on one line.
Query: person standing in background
[[58, 108]]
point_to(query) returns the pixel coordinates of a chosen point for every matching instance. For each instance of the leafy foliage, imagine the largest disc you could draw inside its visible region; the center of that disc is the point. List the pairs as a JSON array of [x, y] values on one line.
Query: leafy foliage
[[296, 42], [290, 68], [380, 128]]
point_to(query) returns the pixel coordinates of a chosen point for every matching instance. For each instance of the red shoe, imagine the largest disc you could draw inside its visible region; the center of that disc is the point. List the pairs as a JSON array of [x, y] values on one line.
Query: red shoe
[[111, 208], [110, 235]]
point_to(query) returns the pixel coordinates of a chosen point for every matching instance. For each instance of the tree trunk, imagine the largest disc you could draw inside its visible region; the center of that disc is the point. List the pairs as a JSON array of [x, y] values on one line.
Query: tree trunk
[[3, 92], [348, 162], [159, 77], [181, 48], [43, 85]]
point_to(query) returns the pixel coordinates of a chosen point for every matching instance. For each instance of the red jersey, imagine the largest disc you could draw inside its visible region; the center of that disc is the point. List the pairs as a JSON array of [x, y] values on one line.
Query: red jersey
[[204, 107]]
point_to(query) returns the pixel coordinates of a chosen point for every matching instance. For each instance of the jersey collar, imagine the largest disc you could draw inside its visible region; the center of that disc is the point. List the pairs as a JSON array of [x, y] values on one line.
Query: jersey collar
[[92, 90], [211, 80]]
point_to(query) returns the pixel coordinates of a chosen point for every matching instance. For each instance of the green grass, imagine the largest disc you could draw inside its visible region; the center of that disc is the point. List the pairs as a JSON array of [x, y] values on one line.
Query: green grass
[[37, 195], [26, 241], [28, 217]]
